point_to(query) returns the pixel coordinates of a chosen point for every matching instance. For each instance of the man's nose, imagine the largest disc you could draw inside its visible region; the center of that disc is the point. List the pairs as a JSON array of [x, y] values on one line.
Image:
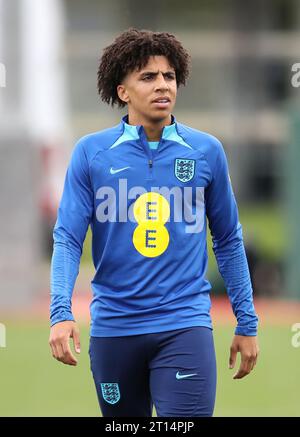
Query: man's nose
[[161, 82]]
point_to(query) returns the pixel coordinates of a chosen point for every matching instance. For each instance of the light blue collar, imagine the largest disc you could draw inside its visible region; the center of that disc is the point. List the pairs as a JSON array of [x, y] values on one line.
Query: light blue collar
[[133, 132]]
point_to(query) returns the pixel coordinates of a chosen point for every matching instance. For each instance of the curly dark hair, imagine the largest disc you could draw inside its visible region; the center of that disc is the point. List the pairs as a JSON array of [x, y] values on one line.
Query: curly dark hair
[[131, 50]]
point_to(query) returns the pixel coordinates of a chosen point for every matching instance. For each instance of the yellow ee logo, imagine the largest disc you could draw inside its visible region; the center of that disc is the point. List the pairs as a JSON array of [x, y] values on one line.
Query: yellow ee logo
[[151, 211]]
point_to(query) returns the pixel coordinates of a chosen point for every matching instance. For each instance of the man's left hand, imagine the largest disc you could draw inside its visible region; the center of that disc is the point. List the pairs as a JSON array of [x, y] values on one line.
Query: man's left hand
[[249, 350]]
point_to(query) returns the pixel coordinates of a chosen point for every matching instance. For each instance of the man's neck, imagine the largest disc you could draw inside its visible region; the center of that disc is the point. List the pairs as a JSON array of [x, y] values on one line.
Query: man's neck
[[153, 130]]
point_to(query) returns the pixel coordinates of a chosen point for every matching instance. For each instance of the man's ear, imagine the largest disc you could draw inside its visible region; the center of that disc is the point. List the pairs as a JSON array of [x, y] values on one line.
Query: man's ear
[[122, 93]]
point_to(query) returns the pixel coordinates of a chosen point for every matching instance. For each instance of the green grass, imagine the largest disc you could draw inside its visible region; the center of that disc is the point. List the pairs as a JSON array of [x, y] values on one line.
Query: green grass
[[273, 387], [34, 384]]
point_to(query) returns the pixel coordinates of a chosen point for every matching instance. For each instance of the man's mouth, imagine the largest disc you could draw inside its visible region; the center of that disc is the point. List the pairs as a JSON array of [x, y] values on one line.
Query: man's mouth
[[161, 102]]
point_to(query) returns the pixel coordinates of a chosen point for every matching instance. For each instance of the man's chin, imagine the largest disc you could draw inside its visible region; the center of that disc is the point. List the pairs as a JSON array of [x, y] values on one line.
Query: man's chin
[[159, 116]]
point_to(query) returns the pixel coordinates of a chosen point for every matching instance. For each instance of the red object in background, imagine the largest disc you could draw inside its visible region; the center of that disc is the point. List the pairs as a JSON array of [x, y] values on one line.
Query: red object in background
[[53, 167]]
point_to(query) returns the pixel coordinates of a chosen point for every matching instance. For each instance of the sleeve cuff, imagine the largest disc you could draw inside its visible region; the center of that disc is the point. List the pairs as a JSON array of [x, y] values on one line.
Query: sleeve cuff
[[246, 331], [61, 317]]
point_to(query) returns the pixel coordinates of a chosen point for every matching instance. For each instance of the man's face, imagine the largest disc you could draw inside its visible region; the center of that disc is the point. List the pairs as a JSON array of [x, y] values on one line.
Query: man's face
[[150, 92]]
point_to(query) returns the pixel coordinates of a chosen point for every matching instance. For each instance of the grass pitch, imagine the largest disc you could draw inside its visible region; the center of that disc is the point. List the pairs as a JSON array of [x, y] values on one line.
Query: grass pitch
[[32, 383]]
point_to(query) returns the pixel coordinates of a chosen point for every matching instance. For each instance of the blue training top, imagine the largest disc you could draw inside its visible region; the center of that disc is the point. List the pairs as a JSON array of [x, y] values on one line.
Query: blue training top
[[147, 209]]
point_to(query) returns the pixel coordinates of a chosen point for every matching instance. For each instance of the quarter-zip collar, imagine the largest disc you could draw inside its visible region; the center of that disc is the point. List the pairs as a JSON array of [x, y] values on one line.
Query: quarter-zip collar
[[137, 131]]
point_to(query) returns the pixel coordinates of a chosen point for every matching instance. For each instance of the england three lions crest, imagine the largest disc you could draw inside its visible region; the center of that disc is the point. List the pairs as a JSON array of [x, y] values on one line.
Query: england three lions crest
[[184, 169], [110, 392]]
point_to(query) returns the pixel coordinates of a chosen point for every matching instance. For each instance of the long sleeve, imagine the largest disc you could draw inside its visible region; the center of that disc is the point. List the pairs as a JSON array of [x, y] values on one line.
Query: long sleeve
[[228, 246], [73, 218]]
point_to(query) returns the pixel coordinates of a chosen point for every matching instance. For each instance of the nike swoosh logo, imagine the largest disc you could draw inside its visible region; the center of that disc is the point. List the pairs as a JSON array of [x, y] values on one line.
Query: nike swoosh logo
[[113, 171], [178, 376]]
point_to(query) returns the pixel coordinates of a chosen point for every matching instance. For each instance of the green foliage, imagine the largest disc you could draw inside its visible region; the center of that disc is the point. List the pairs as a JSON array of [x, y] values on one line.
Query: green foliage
[[263, 228], [87, 248], [263, 232]]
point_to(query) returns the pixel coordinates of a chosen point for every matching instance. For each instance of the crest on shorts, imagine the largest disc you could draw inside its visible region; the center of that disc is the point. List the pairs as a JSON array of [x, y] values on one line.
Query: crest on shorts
[[110, 392], [184, 169]]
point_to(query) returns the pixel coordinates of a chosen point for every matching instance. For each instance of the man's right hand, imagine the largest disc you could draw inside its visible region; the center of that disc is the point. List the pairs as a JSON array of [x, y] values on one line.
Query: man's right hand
[[60, 334]]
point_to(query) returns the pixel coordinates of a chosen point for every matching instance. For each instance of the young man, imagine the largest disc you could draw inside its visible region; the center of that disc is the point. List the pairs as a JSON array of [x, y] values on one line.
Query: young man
[[146, 187]]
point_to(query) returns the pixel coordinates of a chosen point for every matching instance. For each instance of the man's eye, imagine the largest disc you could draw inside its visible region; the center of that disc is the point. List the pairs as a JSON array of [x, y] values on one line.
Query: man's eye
[[147, 77]]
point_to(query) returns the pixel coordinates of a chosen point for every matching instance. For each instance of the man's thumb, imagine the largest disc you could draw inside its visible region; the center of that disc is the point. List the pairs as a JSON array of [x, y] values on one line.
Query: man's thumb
[[76, 340], [232, 358]]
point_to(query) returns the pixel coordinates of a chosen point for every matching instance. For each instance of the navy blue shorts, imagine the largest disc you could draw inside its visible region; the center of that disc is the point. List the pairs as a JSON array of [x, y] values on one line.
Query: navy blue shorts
[[174, 370]]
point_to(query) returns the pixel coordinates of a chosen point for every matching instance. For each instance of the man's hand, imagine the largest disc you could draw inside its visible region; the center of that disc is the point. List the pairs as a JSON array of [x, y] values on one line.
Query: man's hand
[[249, 350], [59, 341]]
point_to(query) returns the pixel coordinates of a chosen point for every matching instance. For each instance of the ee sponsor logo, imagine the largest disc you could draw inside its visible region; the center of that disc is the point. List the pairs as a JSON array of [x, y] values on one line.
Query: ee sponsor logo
[[151, 211]]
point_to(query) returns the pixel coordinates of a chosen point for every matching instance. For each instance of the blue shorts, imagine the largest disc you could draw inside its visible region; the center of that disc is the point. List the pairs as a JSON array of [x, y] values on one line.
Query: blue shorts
[[174, 370]]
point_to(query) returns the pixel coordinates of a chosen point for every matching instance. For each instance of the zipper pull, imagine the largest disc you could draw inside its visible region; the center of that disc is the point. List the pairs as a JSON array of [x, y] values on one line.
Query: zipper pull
[[150, 163]]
